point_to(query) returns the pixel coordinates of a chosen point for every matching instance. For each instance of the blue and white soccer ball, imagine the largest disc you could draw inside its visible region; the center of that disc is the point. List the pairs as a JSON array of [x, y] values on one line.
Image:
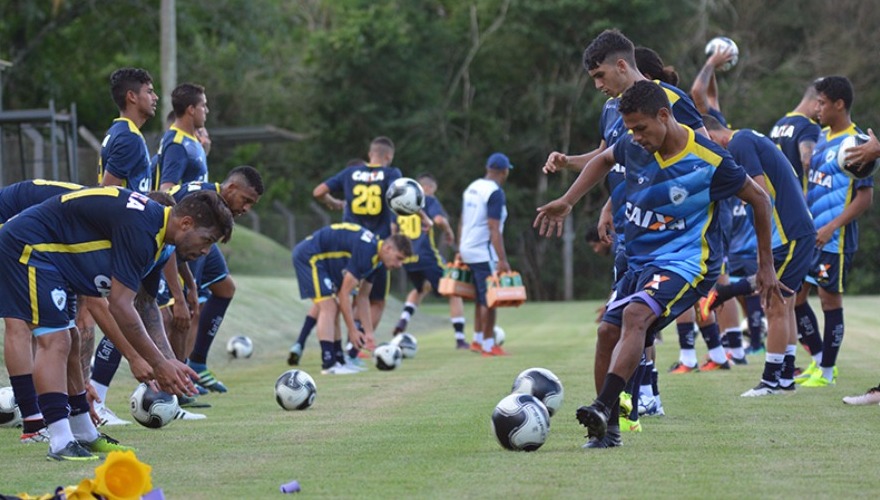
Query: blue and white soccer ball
[[722, 42], [405, 196], [521, 422], [153, 409], [387, 356], [240, 346], [543, 384], [295, 390], [855, 170], [407, 343], [10, 416]]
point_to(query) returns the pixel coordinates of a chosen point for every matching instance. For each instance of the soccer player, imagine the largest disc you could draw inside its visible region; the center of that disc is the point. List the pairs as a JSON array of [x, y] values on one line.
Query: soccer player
[[332, 264], [481, 233], [793, 237], [100, 241], [836, 201], [182, 158], [426, 266], [674, 179], [363, 188], [796, 134]]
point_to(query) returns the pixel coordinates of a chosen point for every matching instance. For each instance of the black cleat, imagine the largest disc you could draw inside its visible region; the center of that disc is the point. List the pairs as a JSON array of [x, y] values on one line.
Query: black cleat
[[595, 418], [611, 440]]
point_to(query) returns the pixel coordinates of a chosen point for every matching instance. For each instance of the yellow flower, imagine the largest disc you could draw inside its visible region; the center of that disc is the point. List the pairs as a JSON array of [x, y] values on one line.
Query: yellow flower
[[122, 477]]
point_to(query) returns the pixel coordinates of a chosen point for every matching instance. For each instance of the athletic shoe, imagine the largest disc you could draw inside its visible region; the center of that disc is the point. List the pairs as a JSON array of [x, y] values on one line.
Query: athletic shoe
[[648, 404], [679, 367], [201, 390], [595, 418], [339, 369], [461, 344], [496, 351], [611, 440], [805, 375], [756, 351], [296, 352], [41, 436], [108, 417], [790, 389], [105, 444], [355, 364], [872, 397], [710, 366], [627, 425], [188, 415], [208, 381], [191, 402], [706, 304], [737, 361], [817, 380], [761, 389], [476, 347], [72, 452], [626, 403]]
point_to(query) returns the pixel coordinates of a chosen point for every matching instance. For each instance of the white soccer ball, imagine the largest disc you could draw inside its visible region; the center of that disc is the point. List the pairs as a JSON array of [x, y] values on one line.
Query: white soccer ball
[[10, 416], [240, 347], [520, 422], [407, 343], [541, 383], [855, 170], [500, 336], [722, 42], [405, 196], [151, 408], [387, 356], [295, 390]]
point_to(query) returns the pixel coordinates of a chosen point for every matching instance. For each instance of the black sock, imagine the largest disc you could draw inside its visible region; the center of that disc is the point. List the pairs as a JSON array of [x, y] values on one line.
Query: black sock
[[328, 357], [306, 330], [808, 328], [610, 393], [833, 337], [685, 335], [711, 335], [726, 292], [756, 323]]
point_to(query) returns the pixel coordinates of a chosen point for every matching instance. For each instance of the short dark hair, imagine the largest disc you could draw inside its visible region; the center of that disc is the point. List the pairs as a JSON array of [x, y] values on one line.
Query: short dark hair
[[207, 209], [124, 79], [382, 141], [644, 97], [426, 175], [651, 65], [162, 197], [184, 96], [836, 87], [609, 43], [712, 123], [355, 162], [401, 243], [250, 175]]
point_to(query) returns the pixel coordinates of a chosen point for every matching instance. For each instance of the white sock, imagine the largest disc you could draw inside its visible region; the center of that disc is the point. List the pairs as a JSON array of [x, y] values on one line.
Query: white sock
[[717, 355], [101, 389], [828, 373], [688, 357], [82, 427], [647, 390], [817, 358], [459, 336], [478, 337], [59, 434], [488, 344]]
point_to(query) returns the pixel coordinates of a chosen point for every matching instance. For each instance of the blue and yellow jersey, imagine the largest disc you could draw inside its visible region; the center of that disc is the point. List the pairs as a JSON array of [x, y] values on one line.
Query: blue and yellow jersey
[[91, 236], [344, 247], [364, 189], [17, 197], [612, 128], [788, 134], [743, 239], [181, 159], [830, 190], [124, 154], [671, 206], [759, 156], [180, 191], [425, 253]]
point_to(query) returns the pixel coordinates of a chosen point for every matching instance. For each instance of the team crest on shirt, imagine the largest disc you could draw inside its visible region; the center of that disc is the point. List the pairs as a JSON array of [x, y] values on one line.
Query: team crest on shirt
[[677, 195], [59, 298], [102, 284], [831, 154]]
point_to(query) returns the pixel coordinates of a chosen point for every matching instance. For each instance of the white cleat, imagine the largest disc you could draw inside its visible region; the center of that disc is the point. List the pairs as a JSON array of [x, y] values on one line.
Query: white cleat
[[339, 369], [109, 418], [761, 389], [188, 415]]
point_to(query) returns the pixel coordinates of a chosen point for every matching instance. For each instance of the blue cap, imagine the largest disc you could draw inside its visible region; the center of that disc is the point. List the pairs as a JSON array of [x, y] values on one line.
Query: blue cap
[[498, 161]]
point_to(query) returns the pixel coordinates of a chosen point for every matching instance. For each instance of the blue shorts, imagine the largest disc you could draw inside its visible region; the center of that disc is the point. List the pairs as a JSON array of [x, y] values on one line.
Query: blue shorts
[[792, 262], [432, 275], [55, 306], [829, 270], [481, 271], [381, 285], [208, 270], [666, 293], [318, 279], [620, 262]]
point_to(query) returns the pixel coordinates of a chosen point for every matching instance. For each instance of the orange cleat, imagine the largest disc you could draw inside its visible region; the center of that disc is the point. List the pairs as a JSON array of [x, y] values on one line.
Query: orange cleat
[[680, 367], [710, 365], [476, 347]]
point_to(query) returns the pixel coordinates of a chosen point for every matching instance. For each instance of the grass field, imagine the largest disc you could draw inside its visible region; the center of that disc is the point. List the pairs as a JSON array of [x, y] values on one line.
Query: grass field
[[422, 431]]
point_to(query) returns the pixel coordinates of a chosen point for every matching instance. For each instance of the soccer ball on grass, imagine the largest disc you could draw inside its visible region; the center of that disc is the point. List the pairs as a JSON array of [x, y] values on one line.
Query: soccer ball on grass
[[295, 390], [541, 383], [151, 408], [520, 422], [240, 347]]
